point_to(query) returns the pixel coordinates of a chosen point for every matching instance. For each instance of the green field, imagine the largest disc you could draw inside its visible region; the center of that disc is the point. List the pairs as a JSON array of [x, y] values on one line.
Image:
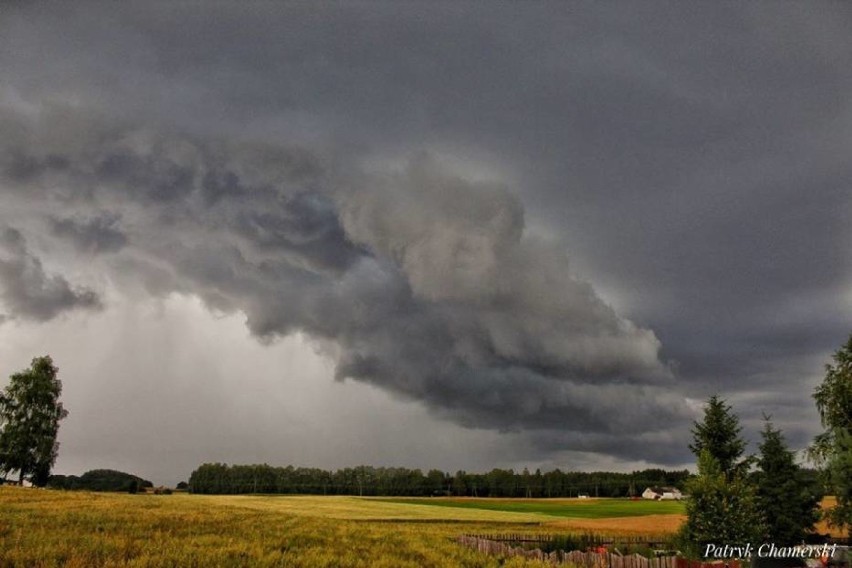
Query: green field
[[571, 508], [41, 528]]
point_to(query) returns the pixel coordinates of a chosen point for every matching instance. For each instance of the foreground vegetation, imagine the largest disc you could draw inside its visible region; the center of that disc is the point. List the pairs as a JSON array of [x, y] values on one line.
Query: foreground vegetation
[[60, 528]]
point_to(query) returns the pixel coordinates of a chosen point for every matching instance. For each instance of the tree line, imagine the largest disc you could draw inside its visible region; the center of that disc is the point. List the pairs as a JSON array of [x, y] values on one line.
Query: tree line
[[218, 478], [99, 480]]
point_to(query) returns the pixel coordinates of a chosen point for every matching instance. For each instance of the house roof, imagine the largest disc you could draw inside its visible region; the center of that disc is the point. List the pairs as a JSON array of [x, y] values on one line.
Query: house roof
[[661, 490]]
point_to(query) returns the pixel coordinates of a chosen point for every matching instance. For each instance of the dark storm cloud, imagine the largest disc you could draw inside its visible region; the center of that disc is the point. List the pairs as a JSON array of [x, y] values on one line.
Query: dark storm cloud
[[420, 281], [692, 160], [98, 234], [662, 446], [28, 291]]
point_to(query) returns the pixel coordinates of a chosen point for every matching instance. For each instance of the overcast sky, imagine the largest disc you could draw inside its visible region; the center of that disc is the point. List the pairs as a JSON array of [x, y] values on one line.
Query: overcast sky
[[447, 235]]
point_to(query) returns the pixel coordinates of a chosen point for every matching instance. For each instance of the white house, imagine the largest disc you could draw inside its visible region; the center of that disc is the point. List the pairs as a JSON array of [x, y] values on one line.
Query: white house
[[661, 493]]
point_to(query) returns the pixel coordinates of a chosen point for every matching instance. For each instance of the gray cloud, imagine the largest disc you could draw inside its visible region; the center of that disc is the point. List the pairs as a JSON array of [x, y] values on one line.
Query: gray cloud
[[99, 234], [417, 280], [28, 291], [691, 161]]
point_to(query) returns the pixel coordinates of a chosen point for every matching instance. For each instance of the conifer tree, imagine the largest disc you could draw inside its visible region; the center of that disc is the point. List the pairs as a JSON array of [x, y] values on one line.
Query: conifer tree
[[722, 504], [719, 509], [719, 434], [789, 504]]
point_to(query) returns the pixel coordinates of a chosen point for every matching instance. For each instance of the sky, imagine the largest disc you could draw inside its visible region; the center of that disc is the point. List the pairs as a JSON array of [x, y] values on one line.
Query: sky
[[433, 235]]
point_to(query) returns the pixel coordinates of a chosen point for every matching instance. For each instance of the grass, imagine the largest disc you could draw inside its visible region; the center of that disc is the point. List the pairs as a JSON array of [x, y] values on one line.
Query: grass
[[44, 528], [572, 508], [368, 509]]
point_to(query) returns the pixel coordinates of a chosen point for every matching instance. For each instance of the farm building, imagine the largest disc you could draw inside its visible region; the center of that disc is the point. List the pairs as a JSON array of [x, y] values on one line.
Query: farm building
[[659, 493]]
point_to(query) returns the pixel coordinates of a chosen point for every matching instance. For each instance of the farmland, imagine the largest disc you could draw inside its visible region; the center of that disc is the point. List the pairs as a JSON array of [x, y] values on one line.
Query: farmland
[[79, 528], [52, 528], [572, 508]]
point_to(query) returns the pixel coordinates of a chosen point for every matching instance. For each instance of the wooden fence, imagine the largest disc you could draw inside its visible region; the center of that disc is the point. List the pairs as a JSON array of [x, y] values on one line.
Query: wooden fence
[[583, 559], [588, 539]]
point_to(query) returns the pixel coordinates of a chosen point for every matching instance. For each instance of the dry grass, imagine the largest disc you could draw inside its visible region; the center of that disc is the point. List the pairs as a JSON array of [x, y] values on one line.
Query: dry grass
[[649, 525], [358, 508], [42, 528]]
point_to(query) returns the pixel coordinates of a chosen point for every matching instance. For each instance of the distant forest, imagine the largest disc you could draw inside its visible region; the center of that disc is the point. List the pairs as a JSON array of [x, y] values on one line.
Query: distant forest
[[99, 480], [397, 481]]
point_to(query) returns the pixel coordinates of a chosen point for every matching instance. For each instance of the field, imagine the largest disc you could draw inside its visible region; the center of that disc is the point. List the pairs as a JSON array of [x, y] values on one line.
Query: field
[[79, 529], [55, 528], [573, 508]]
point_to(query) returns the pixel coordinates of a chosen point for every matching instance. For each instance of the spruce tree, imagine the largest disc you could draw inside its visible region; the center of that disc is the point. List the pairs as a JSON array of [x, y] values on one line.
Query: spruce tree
[[719, 434], [719, 509], [789, 503], [722, 505]]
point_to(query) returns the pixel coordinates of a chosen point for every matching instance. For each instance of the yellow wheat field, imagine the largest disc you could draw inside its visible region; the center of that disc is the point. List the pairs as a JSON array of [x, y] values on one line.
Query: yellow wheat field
[[41, 528]]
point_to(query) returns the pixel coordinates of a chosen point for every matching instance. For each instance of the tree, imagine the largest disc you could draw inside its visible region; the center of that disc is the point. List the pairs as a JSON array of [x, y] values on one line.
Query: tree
[[719, 509], [435, 480], [722, 504], [833, 448], [789, 502], [719, 434], [30, 412], [840, 480]]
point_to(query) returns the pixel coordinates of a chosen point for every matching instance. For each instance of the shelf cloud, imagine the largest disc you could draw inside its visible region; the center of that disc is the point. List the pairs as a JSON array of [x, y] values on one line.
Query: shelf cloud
[[416, 280]]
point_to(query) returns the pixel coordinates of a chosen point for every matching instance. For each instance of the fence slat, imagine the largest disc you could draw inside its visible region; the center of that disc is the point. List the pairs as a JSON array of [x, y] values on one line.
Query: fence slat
[[501, 546]]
